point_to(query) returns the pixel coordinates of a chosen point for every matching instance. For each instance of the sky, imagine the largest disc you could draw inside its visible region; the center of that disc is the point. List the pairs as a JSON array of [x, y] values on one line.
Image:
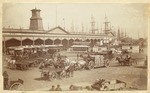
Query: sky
[[131, 18]]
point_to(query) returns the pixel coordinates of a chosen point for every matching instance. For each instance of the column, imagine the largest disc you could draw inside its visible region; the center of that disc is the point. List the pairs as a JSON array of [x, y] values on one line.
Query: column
[[33, 40], [53, 42], [43, 40], [67, 43], [60, 40], [4, 46], [21, 41]]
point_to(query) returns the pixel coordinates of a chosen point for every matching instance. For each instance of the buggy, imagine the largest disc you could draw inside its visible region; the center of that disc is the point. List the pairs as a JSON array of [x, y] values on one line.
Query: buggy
[[95, 59], [109, 85], [52, 73], [15, 85], [113, 85]]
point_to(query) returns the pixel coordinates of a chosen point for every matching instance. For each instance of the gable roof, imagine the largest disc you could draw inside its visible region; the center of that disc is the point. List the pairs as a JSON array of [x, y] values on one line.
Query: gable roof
[[56, 29]]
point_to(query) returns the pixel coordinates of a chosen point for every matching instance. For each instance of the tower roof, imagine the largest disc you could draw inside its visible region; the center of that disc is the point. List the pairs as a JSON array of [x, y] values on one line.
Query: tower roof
[[35, 9], [36, 20]]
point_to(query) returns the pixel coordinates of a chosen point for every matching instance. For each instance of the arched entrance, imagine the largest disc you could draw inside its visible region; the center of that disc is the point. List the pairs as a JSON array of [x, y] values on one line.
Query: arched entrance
[[65, 43], [27, 42], [71, 42], [13, 42], [38, 42], [48, 42], [92, 43], [87, 40], [95, 41], [57, 41], [77, 40]]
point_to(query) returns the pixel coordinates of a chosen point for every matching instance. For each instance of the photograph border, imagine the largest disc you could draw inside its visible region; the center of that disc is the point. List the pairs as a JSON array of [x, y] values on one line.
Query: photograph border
[[78, 1]]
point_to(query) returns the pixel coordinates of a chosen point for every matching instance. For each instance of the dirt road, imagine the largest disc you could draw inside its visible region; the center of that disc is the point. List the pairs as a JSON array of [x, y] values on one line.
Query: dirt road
[[134, 76]]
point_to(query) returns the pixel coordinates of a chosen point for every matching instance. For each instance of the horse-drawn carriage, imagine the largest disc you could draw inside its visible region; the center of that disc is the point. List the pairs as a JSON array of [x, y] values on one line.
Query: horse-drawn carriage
[[14, 85], [21, 63], [126, 60], [108, 85], [52, 73], [22, 59], [96, 59]]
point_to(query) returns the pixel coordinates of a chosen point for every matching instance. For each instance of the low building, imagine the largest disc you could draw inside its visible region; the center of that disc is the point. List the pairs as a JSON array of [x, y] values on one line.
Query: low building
[[135, 48], [131, 48], [79, 48], [99, 48]]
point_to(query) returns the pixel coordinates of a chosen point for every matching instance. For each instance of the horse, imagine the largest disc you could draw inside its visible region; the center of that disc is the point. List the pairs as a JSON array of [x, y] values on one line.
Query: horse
[[120, 60], [125, 61], [70, 68], [81, 64], [59, 69], [128, 60], [11, 63]]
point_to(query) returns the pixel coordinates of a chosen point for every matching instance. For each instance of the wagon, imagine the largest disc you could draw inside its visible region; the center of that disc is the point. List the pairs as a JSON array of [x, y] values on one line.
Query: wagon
[[113, 85], [52, 73], [16, 85], [22, 65], [32, 62], [109, 85], [98, 59]]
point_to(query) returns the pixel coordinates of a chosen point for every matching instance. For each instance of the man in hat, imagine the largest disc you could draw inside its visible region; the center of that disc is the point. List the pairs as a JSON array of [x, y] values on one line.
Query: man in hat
[[52, 88], [58, 88], [6, 78]]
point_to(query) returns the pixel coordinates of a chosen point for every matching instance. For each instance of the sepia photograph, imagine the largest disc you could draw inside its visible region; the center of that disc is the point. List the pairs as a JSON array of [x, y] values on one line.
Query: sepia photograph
[[75, 46]]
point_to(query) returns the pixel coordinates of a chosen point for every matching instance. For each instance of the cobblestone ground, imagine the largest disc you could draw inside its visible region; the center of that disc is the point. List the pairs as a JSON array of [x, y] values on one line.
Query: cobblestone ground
[[135, 76]]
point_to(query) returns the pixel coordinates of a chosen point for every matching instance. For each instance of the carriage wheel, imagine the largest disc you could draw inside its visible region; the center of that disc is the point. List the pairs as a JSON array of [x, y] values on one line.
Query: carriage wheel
[[52, 76], [105, 88], [42, 74], [91, 65], [76, 67], [106, 63], [16, 86], [63, 74]]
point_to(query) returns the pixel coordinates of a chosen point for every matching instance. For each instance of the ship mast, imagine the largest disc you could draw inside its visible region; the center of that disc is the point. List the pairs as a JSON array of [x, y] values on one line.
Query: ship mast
[[92, 25], [106, 23]]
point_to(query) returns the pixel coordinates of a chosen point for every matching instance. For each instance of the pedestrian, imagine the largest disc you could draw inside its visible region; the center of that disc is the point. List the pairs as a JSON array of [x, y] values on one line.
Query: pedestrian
[[58, 88], [6, 78], [67, 61], [52, 88], [77, 56], [145, 62]]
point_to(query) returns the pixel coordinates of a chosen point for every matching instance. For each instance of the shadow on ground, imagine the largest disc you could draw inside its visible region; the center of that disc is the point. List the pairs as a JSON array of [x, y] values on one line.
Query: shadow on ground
[[144, 67]]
